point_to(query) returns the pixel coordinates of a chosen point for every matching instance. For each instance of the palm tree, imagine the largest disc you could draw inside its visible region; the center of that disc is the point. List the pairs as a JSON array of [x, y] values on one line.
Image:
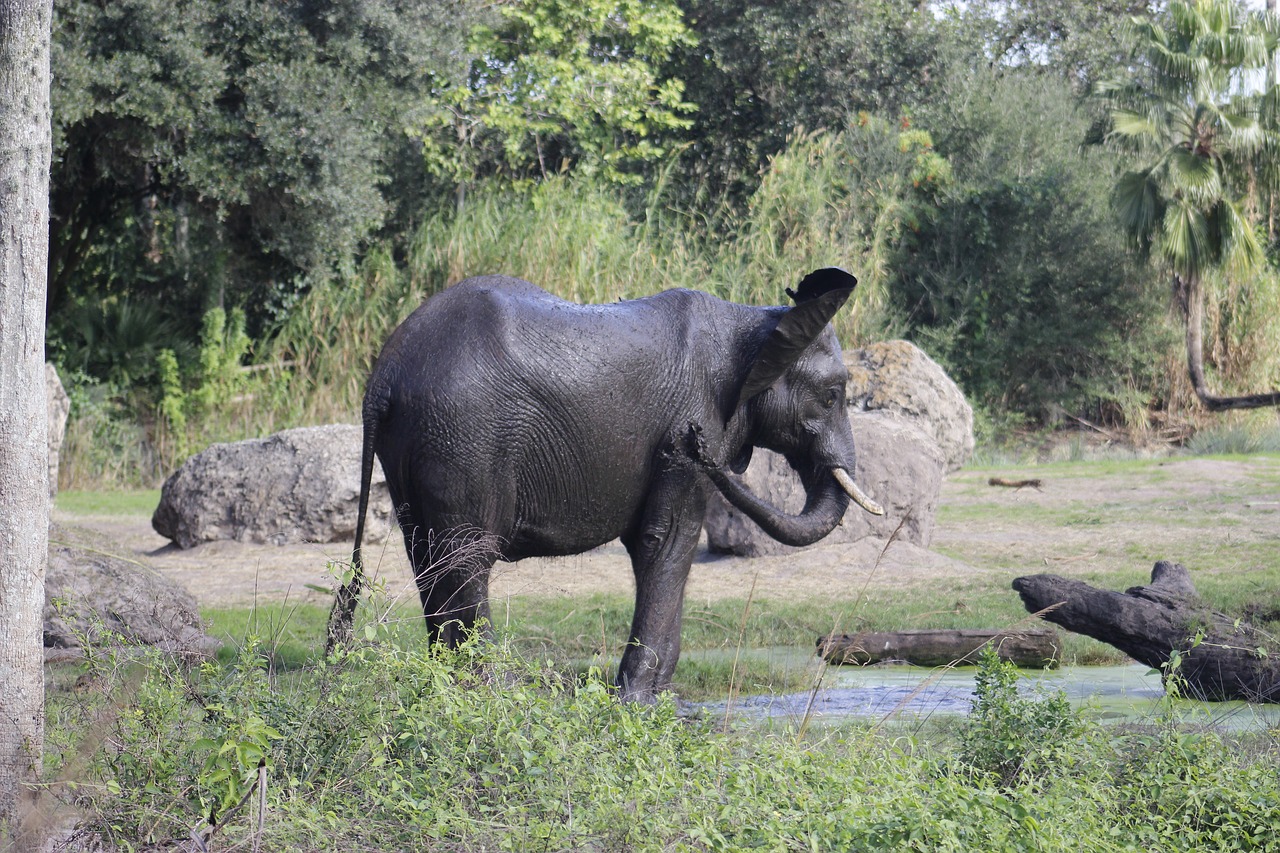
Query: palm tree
[[1187, 116]]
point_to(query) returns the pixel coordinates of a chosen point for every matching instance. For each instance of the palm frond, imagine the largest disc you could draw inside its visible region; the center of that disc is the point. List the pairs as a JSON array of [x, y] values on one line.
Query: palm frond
[[1244, 134], [1184, 239], [1193, 177], [1238, 244], [1131, 125], [1139, 206]]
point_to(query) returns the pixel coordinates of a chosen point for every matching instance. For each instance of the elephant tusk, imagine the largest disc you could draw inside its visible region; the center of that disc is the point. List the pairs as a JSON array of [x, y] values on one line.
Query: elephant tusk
[[846, 482]]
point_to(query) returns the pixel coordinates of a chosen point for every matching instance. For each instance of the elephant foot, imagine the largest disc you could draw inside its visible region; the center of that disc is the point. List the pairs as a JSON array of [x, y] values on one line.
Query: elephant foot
[[639, 677]]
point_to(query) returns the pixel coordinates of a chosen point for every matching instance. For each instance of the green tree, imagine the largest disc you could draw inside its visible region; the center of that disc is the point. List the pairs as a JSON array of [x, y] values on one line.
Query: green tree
[[1188, 117], [1079, 40], [209, 151], [762, 70], [559, 84], [1015, 277]]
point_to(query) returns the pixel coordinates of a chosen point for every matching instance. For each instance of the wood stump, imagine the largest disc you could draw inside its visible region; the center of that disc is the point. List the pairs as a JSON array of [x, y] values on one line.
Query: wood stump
[[1218, 657], [1030, 648]]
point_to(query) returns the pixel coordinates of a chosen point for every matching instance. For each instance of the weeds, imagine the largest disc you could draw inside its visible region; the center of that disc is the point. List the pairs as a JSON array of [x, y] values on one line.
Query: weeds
[[1006, 733], [388, 747]]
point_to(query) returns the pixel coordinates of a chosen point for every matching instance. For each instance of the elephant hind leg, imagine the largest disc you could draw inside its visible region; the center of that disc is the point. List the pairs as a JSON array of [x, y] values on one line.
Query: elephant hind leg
[[451, 568]]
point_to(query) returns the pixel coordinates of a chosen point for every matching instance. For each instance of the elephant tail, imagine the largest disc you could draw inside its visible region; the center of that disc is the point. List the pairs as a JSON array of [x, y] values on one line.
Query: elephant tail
[[342, 616]]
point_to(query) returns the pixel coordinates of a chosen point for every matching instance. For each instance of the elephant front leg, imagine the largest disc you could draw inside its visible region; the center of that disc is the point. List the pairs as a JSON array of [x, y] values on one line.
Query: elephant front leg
[[661, 552]]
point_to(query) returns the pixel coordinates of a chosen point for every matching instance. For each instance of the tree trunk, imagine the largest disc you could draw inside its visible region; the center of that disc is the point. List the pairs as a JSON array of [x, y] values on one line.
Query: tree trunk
[[1164, 624], [1034, 648], [1189, 295], [24, 467]]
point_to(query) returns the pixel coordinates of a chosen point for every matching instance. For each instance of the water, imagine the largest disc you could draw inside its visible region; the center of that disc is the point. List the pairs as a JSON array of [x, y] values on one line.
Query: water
[[1131, 693]]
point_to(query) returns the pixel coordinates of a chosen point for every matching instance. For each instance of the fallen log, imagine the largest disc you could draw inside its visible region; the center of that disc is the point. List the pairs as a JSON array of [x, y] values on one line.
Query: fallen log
[[1035, 647], [1166, 626], [1015, 484]]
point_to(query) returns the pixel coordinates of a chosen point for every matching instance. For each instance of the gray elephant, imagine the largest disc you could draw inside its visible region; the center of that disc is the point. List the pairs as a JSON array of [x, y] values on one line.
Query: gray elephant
[[513, 424]]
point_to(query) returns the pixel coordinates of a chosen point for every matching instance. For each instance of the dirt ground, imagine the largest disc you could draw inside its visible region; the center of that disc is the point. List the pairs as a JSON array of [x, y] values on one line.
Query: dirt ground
[[1084, 519]]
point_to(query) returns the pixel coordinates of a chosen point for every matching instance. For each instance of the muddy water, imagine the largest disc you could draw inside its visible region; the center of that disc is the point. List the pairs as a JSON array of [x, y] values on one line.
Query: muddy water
[[905, 693]]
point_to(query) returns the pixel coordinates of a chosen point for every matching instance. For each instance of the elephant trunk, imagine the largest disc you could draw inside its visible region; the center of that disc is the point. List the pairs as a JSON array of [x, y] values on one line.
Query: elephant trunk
[[825, 504]]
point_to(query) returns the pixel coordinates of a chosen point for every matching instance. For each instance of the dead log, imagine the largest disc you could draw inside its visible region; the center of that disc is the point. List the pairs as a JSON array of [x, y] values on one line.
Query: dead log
[[1217, 657], [1015, 484], [1031, 648]]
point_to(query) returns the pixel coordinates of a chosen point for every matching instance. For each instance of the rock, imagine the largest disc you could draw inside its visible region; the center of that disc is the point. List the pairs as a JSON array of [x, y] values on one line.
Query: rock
[[300, 485], [898, 466], [897, 376], [93, 596], [59, 407]]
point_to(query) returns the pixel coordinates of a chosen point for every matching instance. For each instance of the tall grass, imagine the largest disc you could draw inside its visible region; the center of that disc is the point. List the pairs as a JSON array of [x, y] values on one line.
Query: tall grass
[[578, 240], [840, 199]]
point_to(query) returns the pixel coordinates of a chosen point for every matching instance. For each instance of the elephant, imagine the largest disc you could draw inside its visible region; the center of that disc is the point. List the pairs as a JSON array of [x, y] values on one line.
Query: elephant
[[512, 424]]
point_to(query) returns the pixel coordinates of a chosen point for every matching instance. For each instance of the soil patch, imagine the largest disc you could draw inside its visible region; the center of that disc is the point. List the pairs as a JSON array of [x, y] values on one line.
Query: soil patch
[[1090, 517]]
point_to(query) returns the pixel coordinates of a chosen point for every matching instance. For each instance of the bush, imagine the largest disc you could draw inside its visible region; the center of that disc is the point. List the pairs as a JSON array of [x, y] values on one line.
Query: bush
[[1017, 279], [1008, 735], [388, 747]]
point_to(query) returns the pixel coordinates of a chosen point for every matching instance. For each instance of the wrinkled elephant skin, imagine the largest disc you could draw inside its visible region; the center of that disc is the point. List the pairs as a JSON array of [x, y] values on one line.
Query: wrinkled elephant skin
[[513, 424]]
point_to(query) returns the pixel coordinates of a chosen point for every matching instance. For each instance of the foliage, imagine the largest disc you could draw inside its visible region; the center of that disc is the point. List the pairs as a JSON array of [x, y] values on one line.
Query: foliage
[[762, 72], [389, 748], [1081, 41], [844, 198], [106, 443], [241, 149], [1205, 143], [1009, 735], [326, 166], [829, 199], [1015, 279], [173, 410], [558, 84], [1238, 436], [117, 341], [223, 344], [1185, 117]]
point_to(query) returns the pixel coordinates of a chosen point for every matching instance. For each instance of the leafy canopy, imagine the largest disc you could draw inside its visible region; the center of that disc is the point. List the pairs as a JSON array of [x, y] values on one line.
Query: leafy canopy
[[1188, 117], [564, 83]]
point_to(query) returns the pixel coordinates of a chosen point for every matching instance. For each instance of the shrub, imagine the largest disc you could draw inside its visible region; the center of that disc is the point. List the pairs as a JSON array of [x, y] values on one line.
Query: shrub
[[391, 747], [1007, 734]]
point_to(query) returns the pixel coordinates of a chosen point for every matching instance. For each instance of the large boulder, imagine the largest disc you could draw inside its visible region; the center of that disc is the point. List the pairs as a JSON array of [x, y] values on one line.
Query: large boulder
[[93, 597], [898, 465], [300, 485], [59, 405], [897, 376]]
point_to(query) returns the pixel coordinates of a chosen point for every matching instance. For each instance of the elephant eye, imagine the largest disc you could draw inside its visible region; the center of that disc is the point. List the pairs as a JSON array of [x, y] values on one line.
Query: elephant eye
[[833, 397]]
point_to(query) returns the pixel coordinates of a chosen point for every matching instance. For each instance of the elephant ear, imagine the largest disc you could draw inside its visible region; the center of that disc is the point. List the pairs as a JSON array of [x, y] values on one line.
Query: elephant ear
[[818, 298]]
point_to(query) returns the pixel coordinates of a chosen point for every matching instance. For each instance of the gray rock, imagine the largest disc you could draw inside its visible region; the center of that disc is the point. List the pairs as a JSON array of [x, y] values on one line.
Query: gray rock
[[59, 407], [93, 596], [300, 485], [897, 376], [898, 465]]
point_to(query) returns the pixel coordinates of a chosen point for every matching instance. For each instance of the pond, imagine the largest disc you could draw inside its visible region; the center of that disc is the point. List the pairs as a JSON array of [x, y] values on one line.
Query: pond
[[1127, 693]]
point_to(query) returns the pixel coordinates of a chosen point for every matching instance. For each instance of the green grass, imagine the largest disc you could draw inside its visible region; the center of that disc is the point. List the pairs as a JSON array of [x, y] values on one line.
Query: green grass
[[1126, 537], [395, 749], [721, 651], [293, 634], [127, 502]]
